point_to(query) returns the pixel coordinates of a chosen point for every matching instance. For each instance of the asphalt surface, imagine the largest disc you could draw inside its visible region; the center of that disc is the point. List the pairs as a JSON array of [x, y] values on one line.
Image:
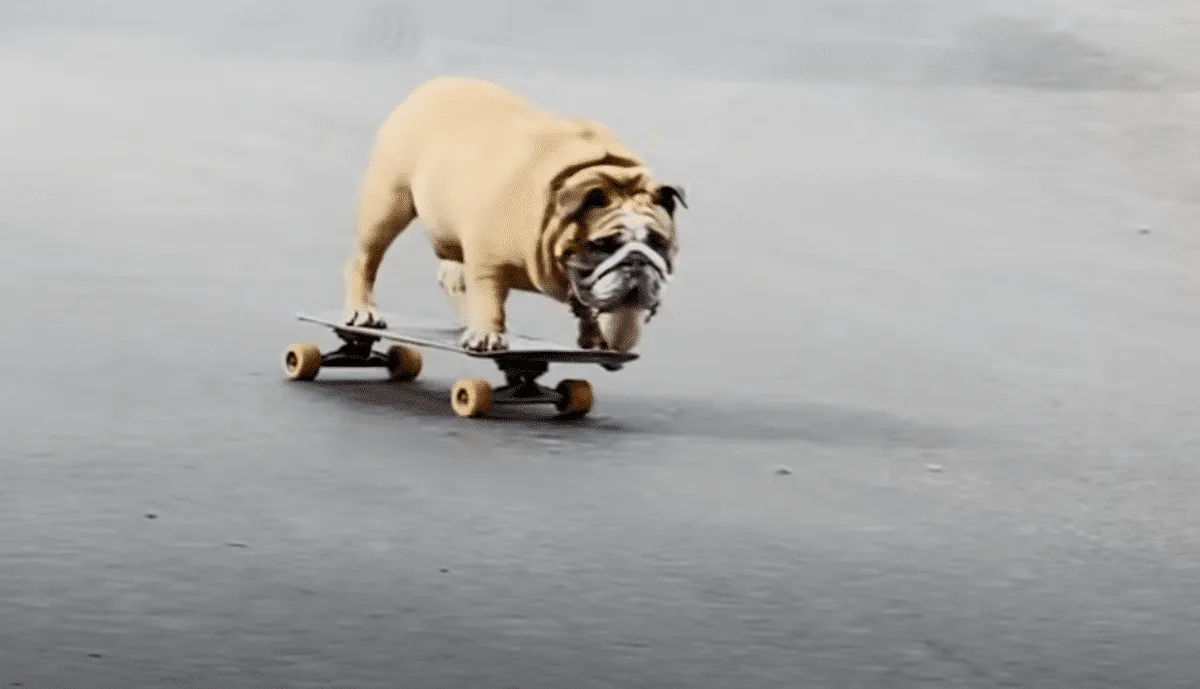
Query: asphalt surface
[[921, 409]]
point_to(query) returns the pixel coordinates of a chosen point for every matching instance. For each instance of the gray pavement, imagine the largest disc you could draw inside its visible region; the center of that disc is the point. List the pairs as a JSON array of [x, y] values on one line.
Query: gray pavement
[[940, 263]]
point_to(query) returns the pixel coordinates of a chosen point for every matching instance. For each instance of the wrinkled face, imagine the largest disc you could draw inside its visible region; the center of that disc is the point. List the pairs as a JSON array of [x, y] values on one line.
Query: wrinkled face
[[625, 253]]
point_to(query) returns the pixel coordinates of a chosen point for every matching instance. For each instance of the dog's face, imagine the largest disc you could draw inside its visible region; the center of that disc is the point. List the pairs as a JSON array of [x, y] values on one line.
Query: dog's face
[[622, 252]]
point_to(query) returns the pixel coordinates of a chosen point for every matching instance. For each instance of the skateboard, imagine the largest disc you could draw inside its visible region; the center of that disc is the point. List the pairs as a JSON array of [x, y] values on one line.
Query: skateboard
[[525, 360]]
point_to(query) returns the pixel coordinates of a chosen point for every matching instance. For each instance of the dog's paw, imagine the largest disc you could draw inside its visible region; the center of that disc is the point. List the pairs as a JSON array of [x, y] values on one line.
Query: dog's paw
[[365, 317], [590, 336], [595, 341], [483, 341]]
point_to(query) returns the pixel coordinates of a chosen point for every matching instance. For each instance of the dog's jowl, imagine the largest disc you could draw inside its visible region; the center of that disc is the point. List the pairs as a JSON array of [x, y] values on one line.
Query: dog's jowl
[[516, 198]]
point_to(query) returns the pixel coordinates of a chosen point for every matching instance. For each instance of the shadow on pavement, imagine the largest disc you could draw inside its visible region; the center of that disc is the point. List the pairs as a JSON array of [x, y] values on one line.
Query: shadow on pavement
[[623, 415]]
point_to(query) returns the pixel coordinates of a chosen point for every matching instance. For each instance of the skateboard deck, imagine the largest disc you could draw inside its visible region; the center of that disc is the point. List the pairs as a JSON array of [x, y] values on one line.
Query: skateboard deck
[[525, 360], [439, 335]]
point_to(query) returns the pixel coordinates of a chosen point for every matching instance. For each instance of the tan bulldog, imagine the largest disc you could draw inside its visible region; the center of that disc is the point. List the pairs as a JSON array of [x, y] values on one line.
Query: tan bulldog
[[515, 198]]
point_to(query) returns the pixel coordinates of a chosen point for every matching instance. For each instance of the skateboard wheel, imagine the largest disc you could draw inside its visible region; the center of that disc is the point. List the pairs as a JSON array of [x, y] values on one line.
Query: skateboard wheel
[[577, 397], [471, 397], [404, 363], [302, 361]]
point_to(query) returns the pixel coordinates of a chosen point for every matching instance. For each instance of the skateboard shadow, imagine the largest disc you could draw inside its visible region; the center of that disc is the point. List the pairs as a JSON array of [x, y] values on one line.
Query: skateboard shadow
[[624, 415]]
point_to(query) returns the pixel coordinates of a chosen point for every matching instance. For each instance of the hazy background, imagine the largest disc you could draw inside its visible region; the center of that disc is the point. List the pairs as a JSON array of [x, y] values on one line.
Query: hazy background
[[940, 261]]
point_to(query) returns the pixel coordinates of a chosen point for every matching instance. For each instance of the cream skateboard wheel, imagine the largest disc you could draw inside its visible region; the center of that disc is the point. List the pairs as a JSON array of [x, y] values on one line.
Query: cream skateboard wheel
[[471, 397], [302, 361]]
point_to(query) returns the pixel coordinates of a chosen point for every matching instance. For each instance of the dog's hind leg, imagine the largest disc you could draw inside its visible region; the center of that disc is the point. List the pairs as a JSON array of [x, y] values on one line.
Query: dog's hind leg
[[452, 278], [385, 209]]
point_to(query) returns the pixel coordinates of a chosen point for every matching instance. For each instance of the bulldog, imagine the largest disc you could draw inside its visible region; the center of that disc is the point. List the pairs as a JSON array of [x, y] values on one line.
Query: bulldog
[[515, 198]]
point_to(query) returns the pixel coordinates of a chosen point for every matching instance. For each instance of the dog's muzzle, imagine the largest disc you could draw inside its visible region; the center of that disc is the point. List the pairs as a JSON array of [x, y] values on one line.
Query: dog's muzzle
[[633, 275]]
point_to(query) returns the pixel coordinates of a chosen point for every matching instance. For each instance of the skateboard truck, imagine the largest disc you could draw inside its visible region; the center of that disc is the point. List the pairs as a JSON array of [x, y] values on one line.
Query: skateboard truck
[[476, 396], [522, 386], [357, 351]]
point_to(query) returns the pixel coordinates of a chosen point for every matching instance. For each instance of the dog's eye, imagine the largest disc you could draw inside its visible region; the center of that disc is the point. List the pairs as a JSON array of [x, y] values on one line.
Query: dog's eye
[[657, 241], [605, 245], [595, 198]]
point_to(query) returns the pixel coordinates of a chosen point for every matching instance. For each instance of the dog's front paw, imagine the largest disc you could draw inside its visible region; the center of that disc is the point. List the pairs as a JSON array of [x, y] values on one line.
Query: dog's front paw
[[590, 336], [595, 341], [477, 341], [365, 317]]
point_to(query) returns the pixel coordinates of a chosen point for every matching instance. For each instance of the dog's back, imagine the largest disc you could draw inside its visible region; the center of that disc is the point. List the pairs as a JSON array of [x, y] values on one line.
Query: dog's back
[[457, 142], [453, 118]]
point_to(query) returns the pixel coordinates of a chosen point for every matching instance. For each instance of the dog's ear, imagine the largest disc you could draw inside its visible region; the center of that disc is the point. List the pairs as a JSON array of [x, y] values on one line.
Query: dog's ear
[[667, 195]]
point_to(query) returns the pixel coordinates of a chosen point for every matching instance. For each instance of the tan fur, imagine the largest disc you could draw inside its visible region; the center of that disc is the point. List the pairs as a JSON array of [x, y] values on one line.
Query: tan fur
[[620, 329], [495, 181]]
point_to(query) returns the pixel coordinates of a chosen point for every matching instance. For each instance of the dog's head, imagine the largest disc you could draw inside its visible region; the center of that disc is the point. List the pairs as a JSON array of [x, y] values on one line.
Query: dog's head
[[620, 251]]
